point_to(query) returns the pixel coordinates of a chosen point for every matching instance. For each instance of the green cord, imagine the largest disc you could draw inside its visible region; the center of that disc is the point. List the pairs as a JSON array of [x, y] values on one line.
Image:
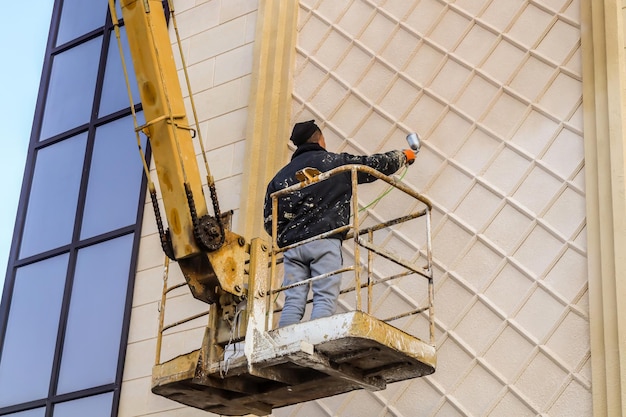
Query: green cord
[[387, 191]]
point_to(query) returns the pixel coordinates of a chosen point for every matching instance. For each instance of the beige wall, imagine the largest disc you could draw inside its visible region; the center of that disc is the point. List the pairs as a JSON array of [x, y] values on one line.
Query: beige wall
[[495, 88]]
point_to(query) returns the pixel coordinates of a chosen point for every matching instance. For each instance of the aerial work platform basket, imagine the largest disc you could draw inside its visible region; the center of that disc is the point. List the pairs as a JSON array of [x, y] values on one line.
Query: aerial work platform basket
[[250, 367]]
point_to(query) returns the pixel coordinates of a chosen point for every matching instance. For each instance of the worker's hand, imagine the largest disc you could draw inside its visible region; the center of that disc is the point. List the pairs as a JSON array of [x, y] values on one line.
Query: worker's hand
[[410, 156]]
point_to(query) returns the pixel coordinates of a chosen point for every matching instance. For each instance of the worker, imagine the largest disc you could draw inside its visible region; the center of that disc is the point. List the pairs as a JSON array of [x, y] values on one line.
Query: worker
[[314, 210]]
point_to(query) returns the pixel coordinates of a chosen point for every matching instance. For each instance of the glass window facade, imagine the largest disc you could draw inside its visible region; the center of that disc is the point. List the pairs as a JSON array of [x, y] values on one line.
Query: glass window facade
[[114, 91], [51, 211], [72, 87], [67, 293], [78, 18], [38, 412], [30, 338], [114, 180], [98, 406], [94, 324]]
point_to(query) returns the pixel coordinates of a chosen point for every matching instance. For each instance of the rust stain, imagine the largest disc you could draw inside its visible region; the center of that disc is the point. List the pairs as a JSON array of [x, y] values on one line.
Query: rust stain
[[149, 93], [174, 219], [166, 181], [230, 264]]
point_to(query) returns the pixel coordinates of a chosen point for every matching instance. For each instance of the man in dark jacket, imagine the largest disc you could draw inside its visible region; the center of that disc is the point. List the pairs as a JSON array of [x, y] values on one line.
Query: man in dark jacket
[[315, 210]]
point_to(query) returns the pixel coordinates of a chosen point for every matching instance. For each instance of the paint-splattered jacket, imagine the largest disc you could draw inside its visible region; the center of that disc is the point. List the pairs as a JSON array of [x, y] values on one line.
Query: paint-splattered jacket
[[325, 206]]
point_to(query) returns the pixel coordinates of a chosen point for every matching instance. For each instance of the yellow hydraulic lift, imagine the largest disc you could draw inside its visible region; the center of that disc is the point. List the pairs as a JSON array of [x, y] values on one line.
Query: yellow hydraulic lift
[[245, 365]]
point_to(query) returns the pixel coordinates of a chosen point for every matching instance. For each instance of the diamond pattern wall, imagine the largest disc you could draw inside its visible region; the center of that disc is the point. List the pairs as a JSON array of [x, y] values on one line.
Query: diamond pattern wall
[[494, 89]]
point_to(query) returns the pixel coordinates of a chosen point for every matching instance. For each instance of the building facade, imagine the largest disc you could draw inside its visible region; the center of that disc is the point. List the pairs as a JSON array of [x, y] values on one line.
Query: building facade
[[520, 105]]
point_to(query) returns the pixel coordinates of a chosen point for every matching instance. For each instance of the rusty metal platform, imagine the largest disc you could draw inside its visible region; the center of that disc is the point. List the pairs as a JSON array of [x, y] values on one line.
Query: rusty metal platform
[[314, 359], [298, 363]]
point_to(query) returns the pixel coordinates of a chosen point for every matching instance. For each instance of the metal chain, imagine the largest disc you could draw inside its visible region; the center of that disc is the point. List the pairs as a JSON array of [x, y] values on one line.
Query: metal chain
[[166, 241]]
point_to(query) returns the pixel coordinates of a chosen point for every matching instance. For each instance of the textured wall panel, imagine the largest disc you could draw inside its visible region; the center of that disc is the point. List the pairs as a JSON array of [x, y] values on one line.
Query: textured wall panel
[[494, 88]]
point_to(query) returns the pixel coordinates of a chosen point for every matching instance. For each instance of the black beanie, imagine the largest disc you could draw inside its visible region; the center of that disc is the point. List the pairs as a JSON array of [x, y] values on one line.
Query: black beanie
[[303, 131]]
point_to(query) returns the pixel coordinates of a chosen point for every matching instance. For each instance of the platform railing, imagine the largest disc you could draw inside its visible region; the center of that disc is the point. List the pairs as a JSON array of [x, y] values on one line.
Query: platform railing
[[162, 327], [362, 238]]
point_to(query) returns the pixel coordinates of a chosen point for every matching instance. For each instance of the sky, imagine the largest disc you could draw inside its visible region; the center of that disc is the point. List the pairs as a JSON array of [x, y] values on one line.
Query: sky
[[24, 33]]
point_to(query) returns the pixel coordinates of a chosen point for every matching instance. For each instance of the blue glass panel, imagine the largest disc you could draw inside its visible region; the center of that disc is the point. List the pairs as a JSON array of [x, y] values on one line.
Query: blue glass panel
[[94, 327], [53, 197], [37, 412], [114, 179], [71, 90], [115, 92], [79, 17], [28, 351], [96, 406]]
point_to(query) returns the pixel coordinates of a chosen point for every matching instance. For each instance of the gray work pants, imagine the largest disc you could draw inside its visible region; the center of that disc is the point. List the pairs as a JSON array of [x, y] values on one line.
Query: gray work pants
[[306, 261]]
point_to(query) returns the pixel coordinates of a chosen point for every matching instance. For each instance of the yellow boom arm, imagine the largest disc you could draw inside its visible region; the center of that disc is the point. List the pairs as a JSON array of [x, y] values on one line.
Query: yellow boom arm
[[206, 266], [167, 125]]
